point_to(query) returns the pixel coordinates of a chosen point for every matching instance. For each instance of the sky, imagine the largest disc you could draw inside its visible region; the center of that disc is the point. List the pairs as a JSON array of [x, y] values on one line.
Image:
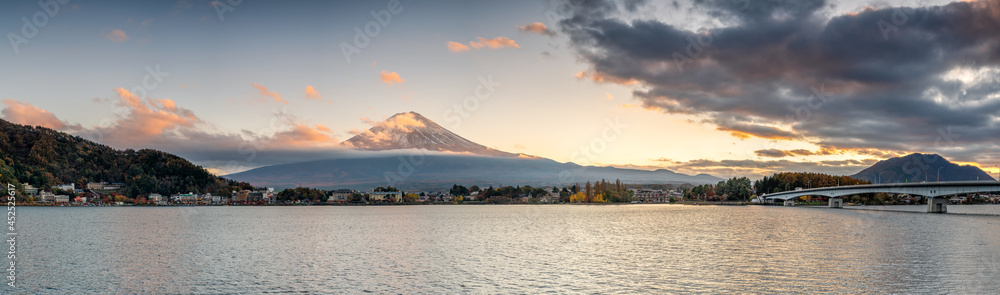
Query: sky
[[729, 88]]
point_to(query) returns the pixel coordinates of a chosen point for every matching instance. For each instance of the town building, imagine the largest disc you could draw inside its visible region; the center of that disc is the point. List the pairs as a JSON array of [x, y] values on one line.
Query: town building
[[62, 199], [240, 196], [113, 186], [157, 199], [96, 185], [184, 198], [341, 195], [30, 190], [383, 196], [650, 196], [47, 197], [65, 187]]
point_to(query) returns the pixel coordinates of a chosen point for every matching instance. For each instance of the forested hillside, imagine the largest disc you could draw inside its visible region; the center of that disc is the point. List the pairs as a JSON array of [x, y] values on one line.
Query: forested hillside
[[44, 157]]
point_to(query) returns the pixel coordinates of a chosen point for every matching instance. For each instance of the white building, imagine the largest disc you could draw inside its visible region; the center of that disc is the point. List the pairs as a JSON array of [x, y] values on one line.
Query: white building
[[65, 187], [31, 190], [341, 195], [184, 198], [47, 196]]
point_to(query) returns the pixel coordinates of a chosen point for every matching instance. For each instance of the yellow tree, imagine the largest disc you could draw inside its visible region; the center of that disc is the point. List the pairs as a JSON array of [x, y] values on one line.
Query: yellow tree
[[599, 198]]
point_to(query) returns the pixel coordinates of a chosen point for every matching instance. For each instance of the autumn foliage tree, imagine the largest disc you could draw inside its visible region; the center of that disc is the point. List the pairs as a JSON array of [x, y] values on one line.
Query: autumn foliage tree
[[603, 191]]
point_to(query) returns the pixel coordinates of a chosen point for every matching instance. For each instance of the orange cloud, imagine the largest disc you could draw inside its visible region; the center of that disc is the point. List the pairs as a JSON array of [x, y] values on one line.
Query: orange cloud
[[149, 118], [495, 43], [312, 94], [391, 78], [117, 36], [26, 114], [265, 92], [601, 78], [305, 136], [538, 28], [746, 131], [457, 47], [162, 124]]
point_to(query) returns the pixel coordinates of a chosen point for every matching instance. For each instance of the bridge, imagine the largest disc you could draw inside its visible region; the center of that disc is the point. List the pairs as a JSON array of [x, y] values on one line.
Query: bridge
[[934, 191]]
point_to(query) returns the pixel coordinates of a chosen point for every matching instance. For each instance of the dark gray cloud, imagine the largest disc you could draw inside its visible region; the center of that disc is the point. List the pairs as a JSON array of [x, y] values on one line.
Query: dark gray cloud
[[884, 78]]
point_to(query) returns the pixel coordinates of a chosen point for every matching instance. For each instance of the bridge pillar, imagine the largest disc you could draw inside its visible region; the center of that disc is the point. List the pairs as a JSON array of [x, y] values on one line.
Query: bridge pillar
[[790, 202], [836, 202], [937, 205]]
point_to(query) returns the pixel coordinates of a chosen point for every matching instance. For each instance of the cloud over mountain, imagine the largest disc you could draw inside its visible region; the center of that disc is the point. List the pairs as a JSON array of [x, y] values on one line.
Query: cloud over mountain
[[27, 114]]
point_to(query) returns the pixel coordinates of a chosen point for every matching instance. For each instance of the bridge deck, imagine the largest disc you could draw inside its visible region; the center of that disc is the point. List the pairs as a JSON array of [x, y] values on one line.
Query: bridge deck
[[927, 189]]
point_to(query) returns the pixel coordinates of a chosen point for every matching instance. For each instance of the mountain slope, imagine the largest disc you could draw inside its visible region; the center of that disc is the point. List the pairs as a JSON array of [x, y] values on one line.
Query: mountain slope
[[437, 171], [920, 167], [414, 131], [453, 160], [44, 157]]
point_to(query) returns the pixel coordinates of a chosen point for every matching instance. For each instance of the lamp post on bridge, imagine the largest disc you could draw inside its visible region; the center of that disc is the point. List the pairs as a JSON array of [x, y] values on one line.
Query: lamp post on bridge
[[939, 174]]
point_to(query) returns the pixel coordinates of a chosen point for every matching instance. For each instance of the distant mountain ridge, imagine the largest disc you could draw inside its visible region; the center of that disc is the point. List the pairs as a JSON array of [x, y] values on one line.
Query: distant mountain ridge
[[453, 160], [438, 171], [920, 167]]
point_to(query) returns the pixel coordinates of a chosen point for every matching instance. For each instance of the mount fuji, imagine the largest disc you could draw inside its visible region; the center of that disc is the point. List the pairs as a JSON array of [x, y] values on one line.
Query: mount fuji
[[414, 131], [411, 152]]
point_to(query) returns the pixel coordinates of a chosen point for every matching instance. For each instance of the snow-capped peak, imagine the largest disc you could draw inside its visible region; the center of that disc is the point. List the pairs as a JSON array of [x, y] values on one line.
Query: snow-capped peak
[[413, 131]]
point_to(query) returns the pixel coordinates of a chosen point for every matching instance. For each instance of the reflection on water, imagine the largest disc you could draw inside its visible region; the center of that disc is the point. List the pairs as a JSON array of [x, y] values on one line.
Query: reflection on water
[[505, 249]]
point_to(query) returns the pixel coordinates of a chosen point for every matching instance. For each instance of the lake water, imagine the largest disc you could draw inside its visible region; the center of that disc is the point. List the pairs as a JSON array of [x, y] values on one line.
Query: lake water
[[504, 249]]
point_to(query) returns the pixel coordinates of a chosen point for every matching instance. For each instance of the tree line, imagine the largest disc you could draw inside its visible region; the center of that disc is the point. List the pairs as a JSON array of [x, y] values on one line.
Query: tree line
[[787, 181], [733, 189]]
